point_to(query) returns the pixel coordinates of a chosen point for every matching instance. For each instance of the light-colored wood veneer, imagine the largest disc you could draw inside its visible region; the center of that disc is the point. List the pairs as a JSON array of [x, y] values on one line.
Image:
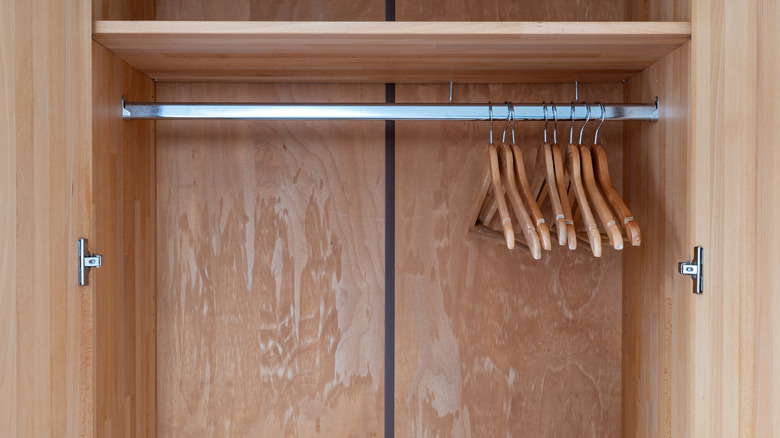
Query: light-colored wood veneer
[[505, 52], [124, 221]]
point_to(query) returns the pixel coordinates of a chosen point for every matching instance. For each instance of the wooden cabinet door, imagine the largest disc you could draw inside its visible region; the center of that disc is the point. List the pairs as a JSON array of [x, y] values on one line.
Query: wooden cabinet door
[[735, 356], [45, 160]]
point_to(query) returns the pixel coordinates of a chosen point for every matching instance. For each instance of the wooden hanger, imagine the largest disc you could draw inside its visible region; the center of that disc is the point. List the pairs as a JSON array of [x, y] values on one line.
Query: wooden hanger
[[560, 178], [545, 183], [627, 221], [594, 194], [476, 224], [599, 204], [526, 225], [530, 199], [491, 182], [578, 194], [498, 194], [573, 165], [525, 188]]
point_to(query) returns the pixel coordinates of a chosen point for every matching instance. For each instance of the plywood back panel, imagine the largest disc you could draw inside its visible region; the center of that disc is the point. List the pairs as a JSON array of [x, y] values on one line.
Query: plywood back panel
[[658, 10], [123, 9], [271, 10], [509, 10], [124, 233], [490, 342], [656, 299], [270, 269], [45, 161]]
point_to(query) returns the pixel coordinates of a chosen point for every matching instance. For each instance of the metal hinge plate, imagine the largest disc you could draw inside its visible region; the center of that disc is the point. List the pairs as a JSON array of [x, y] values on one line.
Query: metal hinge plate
[[695, 269], [87, 261]]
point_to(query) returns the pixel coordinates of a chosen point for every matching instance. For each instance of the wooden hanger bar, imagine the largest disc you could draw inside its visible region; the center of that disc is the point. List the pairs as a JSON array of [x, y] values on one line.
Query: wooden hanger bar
[[363, 111]]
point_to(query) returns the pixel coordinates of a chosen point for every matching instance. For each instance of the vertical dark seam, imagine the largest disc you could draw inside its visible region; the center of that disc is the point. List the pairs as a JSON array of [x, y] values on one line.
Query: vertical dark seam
[[389, 253], [389, 266]]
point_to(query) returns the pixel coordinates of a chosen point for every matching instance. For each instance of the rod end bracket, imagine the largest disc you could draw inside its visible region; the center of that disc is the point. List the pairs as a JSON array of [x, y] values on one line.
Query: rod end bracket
[[125, 113]]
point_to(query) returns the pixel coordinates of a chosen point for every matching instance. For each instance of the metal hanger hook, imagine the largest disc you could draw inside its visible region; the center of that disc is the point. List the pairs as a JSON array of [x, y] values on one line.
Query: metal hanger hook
[[571, 128], [587, 119], [603, 116], [508, 119], [555, 126], [512, 111], [490, 108]]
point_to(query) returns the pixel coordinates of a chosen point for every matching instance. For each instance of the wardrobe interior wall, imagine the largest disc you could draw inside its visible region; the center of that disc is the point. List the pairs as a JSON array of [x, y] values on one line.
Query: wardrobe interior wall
[[250, 297]]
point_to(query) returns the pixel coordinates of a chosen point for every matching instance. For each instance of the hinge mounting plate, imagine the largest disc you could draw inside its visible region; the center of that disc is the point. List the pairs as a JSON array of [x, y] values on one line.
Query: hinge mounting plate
[[87, 261], [695, 269]]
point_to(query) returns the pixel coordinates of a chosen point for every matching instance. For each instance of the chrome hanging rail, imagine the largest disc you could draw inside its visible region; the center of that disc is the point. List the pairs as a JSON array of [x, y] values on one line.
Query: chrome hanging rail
[[369, 111]]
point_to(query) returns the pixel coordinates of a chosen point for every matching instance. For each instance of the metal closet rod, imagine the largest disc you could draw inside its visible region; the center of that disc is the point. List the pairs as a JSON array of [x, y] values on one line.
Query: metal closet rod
[[382, 111]]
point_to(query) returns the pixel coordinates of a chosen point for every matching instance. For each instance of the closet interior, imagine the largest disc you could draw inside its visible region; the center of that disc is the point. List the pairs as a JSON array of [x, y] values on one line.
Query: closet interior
[[245, 265]]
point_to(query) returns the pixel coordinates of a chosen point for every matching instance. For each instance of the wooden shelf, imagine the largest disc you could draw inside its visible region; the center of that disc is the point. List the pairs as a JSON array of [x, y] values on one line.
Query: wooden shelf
[[499, 52]]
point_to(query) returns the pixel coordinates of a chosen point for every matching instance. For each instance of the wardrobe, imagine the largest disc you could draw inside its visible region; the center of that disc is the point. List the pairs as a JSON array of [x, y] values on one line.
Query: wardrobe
[[312, 278]]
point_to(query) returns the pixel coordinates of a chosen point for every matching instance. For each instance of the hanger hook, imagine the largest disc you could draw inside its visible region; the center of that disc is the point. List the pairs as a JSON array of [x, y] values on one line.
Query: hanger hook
[[508, 119], [544, 105], [571, 128], [555, 126], [512, 110], [603, 116], [490, 108], [587, 119]]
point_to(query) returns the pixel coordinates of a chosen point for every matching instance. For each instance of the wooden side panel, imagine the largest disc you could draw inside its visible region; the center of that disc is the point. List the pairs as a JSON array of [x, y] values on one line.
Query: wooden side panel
[[270, 269], [8, 324], [124, 233], [767, 307], [656, 299], [734, 158], [509, 10], [490, 342], [271, 10], [50, 102]]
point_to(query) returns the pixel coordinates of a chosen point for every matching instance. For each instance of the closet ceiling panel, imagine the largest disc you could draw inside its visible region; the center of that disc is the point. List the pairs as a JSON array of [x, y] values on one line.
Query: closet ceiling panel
[[490, 342], [270, 269]]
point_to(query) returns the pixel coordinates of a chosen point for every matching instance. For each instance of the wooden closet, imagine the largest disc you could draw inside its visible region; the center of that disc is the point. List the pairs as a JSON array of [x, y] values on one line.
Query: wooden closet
[[245, 264]]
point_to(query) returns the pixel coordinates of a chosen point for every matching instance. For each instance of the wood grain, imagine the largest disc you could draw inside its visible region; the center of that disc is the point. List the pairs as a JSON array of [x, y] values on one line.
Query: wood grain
[[8, 322], [766, 347], [47, 65], [734, 160], [271, 10], [509, 10], [657, 300], [767, 329], [123, 9], [659, 10], [488, 341], [390, 51], [270, 269], [124, 232]]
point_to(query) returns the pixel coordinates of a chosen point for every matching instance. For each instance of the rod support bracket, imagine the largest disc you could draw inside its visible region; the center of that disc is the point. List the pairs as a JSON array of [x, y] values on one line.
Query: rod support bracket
[[125, 113]]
